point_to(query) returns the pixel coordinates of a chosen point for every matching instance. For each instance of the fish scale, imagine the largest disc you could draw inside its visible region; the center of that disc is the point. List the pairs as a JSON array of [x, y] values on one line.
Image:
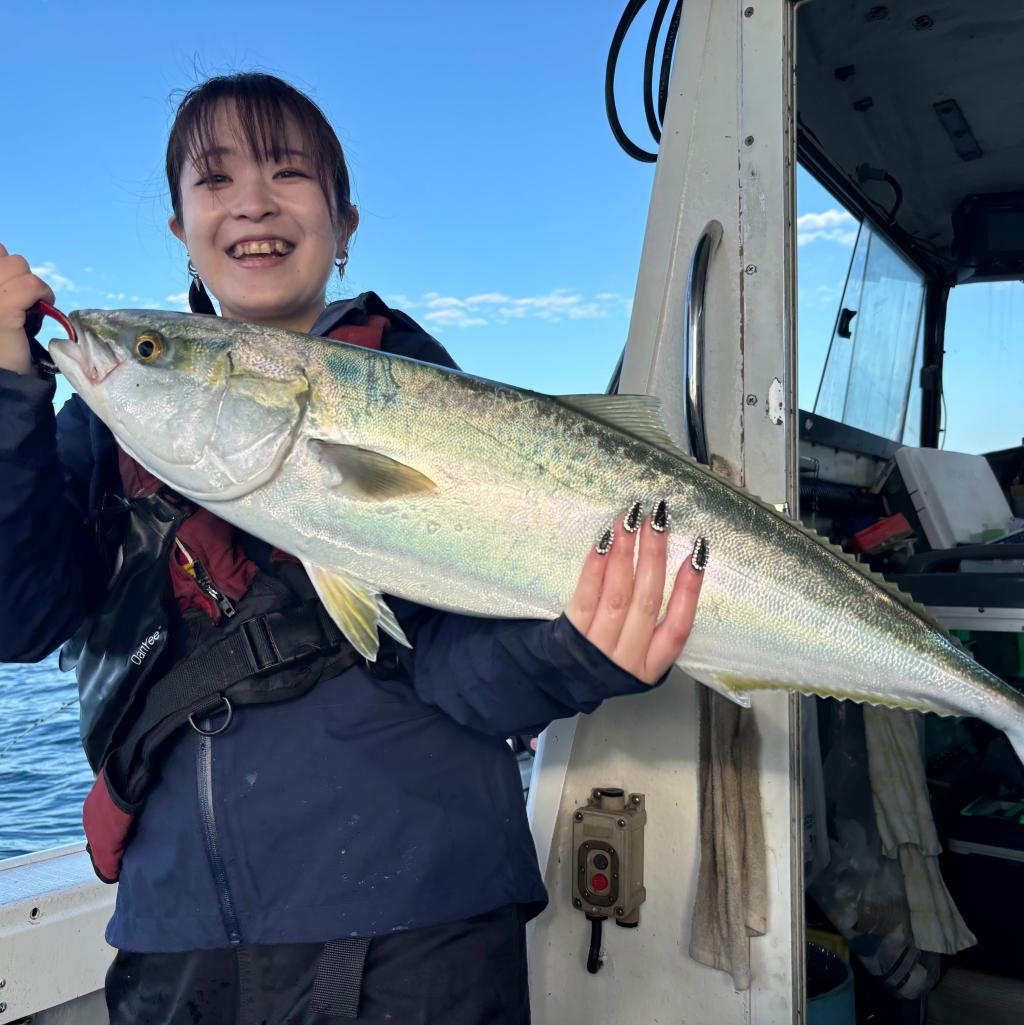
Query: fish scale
[[385, 475]]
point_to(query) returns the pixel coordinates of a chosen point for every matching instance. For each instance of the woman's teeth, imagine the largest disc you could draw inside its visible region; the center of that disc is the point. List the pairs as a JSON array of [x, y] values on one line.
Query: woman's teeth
[[267, 247]]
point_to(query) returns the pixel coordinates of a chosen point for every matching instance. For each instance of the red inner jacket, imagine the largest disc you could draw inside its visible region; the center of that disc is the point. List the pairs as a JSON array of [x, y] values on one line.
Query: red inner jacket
[[210, 540]]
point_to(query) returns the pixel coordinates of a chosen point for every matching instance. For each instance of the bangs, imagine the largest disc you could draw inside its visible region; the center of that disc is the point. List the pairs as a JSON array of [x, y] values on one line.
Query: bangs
[[264, 109]]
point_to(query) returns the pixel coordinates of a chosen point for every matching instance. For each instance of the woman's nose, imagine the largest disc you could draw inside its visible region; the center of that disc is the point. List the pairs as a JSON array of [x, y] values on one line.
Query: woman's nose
[[254, 199]]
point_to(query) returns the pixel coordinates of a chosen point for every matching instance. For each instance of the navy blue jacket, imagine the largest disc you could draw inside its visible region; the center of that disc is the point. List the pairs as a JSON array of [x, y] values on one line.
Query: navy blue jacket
[[365, 807]]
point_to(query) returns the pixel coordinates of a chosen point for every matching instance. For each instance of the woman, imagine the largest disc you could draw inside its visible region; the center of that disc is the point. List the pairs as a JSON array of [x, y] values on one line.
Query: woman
[[353, 843]]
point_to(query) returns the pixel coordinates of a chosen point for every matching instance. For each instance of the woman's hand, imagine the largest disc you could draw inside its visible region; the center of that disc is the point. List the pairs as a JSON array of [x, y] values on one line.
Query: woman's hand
[[617, 608], [20, 290]]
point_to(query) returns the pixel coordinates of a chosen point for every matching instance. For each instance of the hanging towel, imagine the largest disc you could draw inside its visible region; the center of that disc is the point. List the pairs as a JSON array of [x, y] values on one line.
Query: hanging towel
[[732, 887], [907, 828]]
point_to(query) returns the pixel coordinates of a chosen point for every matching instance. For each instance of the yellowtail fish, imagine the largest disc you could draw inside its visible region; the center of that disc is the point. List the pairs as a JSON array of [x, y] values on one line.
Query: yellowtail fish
[[387, 476]]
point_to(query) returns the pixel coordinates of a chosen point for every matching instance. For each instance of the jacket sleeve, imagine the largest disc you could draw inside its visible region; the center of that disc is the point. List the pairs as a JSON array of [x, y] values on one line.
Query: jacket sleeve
[[43, 542], [506, 676]]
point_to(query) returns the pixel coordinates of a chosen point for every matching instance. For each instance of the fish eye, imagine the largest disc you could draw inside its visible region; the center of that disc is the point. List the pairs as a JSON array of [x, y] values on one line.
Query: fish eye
[[148, 347]]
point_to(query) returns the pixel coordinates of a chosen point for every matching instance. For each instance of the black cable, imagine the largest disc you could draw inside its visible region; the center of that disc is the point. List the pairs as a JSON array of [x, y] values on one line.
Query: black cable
[[653, 121], [655, 114], [594, 955], [666, 60], [631, 11]]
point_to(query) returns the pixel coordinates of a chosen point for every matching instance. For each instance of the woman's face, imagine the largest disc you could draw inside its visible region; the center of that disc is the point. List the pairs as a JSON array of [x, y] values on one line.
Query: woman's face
[[260, 234]]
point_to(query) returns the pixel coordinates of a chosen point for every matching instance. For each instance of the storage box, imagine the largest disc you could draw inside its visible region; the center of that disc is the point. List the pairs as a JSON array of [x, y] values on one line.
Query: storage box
[[984, 870]]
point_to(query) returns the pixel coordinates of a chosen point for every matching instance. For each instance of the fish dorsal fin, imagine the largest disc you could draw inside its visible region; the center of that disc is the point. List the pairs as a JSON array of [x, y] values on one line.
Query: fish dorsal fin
[[357, 608], [371, 476], [638, 415]]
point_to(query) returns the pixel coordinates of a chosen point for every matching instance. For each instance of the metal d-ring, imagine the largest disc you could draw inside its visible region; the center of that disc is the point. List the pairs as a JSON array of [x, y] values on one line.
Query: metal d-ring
[[220, 729]]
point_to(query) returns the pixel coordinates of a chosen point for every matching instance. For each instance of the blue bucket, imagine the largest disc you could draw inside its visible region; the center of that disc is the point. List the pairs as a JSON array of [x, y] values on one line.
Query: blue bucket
[[829, 988]]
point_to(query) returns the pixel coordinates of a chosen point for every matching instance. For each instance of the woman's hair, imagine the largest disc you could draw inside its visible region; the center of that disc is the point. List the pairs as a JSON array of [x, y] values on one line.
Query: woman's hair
[[263, 104]]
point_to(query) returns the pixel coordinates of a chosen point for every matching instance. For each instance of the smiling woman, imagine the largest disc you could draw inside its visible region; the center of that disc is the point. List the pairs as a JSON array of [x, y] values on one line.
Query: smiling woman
[[243, 666], [260, 192]]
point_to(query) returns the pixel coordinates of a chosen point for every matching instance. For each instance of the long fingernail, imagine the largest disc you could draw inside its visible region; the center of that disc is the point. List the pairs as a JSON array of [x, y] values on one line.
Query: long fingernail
[[633, 517], [604, 542], [659, 518], [699, 558]]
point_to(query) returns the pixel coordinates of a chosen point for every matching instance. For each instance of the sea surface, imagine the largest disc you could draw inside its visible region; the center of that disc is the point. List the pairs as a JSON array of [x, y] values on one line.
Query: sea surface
[[44, 776]]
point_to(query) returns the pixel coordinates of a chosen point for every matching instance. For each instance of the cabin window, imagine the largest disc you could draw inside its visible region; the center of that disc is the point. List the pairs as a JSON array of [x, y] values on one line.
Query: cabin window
[[982, 375], [869, 380]]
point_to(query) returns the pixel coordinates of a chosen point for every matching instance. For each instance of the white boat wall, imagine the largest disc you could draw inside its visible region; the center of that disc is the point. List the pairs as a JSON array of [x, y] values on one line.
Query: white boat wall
[[720, 225]]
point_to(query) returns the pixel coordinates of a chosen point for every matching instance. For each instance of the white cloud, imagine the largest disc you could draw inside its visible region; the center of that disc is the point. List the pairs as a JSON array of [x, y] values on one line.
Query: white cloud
[[48, 272], [829, 226], [178, 301], [453, 318], [444, 302], [499, 308]]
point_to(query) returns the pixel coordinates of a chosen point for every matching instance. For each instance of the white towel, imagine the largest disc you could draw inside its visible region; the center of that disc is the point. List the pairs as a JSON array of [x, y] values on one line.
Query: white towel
[[732, 886], [907, 828]]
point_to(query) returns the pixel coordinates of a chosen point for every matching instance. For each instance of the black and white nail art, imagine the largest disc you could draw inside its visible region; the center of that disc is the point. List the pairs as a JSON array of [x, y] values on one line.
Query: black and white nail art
[[604, 542], [634, 517], [699, 558], [659, 518]]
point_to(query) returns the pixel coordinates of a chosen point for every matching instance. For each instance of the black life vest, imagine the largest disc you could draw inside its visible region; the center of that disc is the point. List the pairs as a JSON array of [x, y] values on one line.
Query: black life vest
[[144, 669]]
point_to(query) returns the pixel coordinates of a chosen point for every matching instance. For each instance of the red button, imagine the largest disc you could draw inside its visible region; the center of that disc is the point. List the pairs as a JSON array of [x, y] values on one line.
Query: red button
[[599, 882]]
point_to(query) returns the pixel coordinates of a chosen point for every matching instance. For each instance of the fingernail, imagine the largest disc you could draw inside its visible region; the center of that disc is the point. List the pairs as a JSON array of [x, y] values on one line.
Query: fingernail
[[604, 542], [699, 558], [633, 517], [659, 518]]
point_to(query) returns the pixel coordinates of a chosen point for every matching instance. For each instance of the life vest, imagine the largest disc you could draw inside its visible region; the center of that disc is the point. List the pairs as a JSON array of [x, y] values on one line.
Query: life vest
[[189, 629]]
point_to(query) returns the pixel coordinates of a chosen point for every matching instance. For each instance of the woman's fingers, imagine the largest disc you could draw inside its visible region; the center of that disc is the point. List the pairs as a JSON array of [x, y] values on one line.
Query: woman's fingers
[[617, 585], [648, 593], [672, 633], [616, 606], [583, 604]]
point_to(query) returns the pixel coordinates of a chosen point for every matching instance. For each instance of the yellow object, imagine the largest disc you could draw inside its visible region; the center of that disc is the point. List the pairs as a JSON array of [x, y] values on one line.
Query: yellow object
[[830, 941]]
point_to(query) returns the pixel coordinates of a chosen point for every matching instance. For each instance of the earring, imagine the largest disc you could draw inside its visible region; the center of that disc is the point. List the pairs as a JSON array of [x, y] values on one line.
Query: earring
[[341, 263], [198, 298]]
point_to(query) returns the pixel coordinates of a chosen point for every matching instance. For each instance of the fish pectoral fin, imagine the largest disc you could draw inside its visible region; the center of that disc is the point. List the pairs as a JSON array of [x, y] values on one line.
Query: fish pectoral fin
[[357, 608], [729, 685], [364, 474]]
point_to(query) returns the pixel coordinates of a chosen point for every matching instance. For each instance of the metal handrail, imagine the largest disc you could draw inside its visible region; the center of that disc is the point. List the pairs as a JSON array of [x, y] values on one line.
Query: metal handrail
[[696, 287]]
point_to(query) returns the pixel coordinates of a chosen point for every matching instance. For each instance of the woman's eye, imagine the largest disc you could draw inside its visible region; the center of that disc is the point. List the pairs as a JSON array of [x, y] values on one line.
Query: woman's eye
[[213, 179], [289, 171]]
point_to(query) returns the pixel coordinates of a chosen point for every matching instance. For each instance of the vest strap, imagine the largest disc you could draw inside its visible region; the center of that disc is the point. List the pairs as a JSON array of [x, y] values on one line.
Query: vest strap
[[339, 977], [196, 685]]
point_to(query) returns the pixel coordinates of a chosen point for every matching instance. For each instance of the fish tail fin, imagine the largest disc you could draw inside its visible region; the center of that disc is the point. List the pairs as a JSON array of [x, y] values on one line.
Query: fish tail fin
[[729, 685], [1015, 736]]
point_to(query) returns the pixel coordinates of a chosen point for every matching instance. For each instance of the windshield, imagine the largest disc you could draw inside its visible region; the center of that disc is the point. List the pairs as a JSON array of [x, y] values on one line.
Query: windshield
[[982, 372]]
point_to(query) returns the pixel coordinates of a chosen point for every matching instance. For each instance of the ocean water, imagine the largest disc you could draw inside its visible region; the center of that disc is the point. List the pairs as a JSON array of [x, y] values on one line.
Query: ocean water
[[44, 776]]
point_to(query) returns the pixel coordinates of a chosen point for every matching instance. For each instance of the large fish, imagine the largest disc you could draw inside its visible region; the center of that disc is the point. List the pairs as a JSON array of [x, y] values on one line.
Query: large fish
[[385, 475]]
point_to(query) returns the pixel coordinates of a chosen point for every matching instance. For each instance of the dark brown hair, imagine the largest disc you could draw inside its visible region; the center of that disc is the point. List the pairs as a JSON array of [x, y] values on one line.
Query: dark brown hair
[[263, 104]]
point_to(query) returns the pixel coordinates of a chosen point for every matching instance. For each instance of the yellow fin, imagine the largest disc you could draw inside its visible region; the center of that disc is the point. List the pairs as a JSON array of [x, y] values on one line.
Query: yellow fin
[[732, 684], [357, 608], [729, 685], [364, 474]]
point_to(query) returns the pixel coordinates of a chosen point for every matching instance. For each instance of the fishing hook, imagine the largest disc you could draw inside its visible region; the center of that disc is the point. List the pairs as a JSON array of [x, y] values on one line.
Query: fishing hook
[[44, 309]]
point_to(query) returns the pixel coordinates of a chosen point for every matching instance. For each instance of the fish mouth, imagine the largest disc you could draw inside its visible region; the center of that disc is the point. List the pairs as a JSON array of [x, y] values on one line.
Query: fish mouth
[[89, 361]]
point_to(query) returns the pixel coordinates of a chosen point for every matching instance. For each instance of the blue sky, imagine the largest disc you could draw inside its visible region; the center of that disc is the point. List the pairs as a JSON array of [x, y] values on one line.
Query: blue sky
[[496, 208]]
